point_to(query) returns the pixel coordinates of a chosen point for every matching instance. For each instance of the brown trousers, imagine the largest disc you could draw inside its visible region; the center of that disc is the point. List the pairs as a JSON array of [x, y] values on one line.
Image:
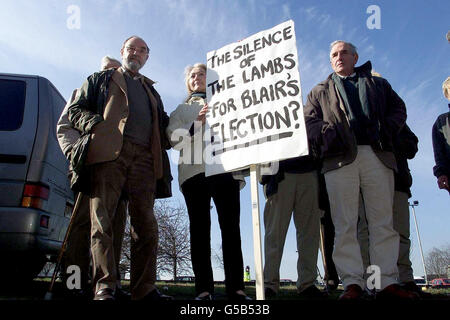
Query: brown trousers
[[78, 243], [131, 173], [297, 197]]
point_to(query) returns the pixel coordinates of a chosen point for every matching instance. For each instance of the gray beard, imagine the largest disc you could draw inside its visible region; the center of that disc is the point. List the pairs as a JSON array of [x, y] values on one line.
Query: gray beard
[[132, 66]]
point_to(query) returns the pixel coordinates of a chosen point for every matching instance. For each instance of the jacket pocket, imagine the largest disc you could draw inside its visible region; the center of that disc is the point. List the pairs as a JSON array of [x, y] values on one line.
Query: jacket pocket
[[332, 143]]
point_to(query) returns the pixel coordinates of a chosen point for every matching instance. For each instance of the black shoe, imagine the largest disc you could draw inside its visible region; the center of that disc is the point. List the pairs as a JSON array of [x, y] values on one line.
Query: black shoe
[[104, 294], [122, 295], [269, 293], [239, 297], [312, 293], [78, 295], [207, 297], [332, 285], [155, 295], [413, 287], [368, 295]]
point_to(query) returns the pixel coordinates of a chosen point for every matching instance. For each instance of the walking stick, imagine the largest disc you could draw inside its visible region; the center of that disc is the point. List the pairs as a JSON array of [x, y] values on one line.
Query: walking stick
[[49, 294], [322, 250]]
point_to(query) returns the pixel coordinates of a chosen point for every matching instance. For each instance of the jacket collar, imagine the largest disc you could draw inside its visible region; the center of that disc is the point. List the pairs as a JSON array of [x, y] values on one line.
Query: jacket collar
[[365, 68], [138, 76], [119, 78]]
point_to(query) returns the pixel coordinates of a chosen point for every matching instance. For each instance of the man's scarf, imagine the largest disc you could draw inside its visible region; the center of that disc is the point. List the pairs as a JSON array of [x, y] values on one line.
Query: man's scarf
[[362, 96]]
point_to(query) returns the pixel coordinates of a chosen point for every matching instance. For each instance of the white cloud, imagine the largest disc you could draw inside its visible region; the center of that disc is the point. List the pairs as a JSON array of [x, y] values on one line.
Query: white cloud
[[340, 29], [313, 14], [286, 12], [369, 50], [135, 7]]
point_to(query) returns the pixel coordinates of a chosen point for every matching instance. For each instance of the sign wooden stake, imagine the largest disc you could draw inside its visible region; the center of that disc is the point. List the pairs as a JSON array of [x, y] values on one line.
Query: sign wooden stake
[[259, 276]]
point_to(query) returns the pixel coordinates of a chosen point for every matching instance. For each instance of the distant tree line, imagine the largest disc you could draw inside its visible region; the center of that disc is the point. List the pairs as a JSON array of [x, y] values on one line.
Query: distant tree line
[[437, 262]]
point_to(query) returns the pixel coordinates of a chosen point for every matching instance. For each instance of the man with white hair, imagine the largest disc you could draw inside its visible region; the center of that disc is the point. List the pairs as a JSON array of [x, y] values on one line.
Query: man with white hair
[[351, 118], [441, 144], [122, 151]]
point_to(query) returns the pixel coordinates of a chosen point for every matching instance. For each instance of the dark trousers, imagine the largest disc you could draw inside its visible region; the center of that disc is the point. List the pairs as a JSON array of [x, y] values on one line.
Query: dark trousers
[[328, 239], [224, 190], [327, 227]]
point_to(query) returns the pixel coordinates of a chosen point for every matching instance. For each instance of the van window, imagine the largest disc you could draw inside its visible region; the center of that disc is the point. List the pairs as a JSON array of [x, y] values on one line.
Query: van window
[[12, 104], [58, 104]]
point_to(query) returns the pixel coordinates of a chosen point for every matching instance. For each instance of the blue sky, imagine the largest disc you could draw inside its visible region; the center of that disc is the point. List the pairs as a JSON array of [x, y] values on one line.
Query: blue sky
[[410, 50]]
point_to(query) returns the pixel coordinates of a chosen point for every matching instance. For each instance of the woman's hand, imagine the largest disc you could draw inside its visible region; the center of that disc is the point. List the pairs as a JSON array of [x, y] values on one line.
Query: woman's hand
[[202, 114]]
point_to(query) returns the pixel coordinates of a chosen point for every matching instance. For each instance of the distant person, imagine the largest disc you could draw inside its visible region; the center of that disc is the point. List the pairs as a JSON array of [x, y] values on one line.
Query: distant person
[[78, 244], [186, 124], [122, 121], [247, 274], [441, 144], [351, 118], [293, 192]]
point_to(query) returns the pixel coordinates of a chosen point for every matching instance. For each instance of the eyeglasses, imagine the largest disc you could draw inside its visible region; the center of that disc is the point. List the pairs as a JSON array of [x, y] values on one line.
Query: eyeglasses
[[138, 50]]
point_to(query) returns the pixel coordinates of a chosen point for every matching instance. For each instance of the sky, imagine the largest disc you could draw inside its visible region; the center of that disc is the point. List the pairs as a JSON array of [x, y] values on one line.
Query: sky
[[64, 41]]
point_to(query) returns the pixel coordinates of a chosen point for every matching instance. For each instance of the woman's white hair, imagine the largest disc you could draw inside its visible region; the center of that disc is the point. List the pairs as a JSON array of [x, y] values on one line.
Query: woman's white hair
[[187, 74], [446, 88]]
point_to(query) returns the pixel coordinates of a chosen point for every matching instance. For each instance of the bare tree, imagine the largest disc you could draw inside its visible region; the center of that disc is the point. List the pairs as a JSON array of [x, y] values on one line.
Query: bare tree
[[218, 258], [125, 256], [174, 250], [437, 261], [47, 270]]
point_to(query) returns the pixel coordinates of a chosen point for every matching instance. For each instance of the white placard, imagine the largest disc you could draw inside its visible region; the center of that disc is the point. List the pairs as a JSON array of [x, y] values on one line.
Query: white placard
[[254, 97]]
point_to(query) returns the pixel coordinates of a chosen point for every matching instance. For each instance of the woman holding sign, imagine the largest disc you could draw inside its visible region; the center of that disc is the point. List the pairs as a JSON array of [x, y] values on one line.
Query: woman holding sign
[[185, 131]]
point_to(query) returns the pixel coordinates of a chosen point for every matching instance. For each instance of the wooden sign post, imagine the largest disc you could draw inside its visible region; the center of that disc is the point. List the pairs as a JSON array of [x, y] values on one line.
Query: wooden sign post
[[257, 248]]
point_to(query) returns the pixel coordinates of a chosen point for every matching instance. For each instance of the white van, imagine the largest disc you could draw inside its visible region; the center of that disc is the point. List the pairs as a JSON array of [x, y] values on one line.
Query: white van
[[36, 201]]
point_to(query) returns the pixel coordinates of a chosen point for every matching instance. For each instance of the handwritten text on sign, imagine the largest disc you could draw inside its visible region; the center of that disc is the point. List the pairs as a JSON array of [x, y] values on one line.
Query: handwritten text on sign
[[254, 97]]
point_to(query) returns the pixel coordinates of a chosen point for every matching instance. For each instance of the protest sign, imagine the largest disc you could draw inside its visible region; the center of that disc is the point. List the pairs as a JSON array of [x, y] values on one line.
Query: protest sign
[[254, 96]]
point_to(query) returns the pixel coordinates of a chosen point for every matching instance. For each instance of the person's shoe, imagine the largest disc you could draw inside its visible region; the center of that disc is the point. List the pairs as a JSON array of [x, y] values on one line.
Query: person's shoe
[[78, 295], [122, 295], [413, 287], [368, 294], [155, 295], [352, 292], [204, 297], [331, 285], [312, 293], [239, 297], [104, 294], [395, 292], [269, 293]]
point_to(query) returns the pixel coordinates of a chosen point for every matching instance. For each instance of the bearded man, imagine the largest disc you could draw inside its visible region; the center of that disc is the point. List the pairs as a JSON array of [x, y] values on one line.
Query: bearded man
[[122, 122]]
